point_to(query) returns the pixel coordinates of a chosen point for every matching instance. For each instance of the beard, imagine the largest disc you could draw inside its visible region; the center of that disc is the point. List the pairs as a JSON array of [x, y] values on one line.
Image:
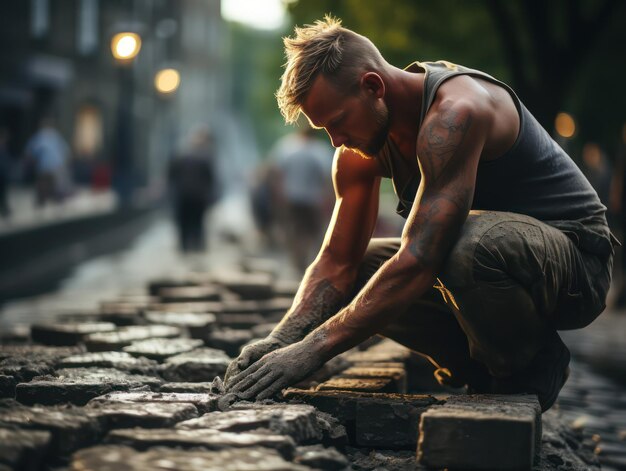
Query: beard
[[380, 116]]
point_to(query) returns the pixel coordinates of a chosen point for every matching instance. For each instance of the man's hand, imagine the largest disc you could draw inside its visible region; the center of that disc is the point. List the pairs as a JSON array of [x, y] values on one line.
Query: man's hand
[[276, 371], [250, 354]]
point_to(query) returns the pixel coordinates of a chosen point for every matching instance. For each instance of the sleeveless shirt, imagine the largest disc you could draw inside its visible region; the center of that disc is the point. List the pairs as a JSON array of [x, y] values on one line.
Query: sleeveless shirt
[[534, 177]]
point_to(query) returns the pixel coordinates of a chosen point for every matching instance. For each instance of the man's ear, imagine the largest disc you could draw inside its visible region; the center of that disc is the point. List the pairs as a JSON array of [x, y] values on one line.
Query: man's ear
[[373, 84]]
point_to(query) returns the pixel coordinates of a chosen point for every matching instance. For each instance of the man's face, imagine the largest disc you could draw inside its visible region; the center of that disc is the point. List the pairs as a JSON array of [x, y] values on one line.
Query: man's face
[[358, 121]]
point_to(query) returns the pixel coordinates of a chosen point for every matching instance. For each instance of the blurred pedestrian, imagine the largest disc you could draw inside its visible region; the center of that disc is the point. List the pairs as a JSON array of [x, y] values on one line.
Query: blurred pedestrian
[[195, 187], [48, 155], [5, 169], [302, 165]]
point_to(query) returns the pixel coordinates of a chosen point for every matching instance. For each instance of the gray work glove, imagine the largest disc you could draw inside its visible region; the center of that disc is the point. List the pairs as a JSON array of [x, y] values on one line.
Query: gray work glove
[[250, 354]]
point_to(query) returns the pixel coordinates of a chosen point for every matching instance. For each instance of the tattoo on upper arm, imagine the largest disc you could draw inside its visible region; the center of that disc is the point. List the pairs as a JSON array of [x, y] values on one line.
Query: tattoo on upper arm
[[439, 140], [443, 211]]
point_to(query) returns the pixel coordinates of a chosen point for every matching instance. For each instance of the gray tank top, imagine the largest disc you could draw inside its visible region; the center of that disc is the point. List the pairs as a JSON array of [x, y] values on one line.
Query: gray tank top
[[534, 177]]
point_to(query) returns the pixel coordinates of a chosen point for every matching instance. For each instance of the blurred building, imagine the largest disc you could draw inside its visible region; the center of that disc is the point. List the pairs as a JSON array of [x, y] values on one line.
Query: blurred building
[[56, 60]]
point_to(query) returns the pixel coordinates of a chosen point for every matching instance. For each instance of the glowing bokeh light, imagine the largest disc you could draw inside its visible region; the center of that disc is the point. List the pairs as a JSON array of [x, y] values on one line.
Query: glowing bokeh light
[[167, 80], [125, 46], [565, 125]]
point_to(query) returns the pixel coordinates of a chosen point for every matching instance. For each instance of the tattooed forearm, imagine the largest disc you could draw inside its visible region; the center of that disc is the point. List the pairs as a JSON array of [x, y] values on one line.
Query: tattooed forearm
[[310, 310]]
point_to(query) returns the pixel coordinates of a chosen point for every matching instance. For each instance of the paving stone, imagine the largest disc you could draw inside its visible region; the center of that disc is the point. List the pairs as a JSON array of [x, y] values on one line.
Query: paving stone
[[67, 334], [156, 285], [24, 368], [229, 340], [263, 307], [142, 439], [381, 385], [319, 457], [263, 330], [346, 408], [202, 401], [7, 386], [69, 427], [247, 285], [79, 385], [161, 349], [181, 294], [239, 321], [14, 335], [117, 360], [199, 326], [124, 336], [147, 415], [202, 364], [513, 404], [476, 438], [182, 387], [197, 307], [396, 375], [116, 458], [379, 460], [388, 425], [39, 352], [122, 313], [23, 449], [385, 351], [295, 420]]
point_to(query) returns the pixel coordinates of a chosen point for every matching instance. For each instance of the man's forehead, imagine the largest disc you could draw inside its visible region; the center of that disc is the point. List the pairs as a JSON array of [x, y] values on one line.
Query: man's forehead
[[322, 102]]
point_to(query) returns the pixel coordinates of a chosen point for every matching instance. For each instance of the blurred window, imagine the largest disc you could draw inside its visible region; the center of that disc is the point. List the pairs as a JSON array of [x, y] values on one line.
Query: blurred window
[[40, 18], [87, 32]]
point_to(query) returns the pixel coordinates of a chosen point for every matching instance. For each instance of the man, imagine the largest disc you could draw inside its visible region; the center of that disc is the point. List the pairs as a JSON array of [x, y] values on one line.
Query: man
[[505, 240], [302, 164]]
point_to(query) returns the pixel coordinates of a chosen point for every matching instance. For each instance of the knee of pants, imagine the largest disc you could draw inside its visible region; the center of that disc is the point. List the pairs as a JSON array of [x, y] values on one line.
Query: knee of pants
[[378, 252], [496, 251]]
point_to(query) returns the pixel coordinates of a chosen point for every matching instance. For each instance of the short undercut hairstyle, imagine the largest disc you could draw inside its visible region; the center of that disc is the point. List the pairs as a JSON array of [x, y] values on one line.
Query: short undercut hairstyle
[[326, 48]]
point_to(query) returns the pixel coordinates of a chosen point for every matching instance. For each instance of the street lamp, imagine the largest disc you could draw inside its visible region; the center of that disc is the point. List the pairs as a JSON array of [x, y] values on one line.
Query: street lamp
[[124, 46]]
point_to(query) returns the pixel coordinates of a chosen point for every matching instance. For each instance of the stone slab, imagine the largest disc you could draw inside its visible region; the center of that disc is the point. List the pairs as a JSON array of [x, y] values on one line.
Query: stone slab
[[118, 360], [194, 307], [69, 427], [7, 386], [156, 285], [124, 336], [239, 321], [142, 439], [39, 352], [199, 326], [396, 375], [252, 286], [203, 402], [67, 334], [295, 420], [472, 438], [23, 449], [122, 313], [162, 349], [344, 406], [379, 385], [112, 457], [513, 404], [181, 294], [200, 365], [319, 457], [229, 340], [186, 387], [79, 385], [146, 415]]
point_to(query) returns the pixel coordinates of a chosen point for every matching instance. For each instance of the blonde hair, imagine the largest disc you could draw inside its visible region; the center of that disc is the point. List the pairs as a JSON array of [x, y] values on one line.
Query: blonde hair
[[326, 48]]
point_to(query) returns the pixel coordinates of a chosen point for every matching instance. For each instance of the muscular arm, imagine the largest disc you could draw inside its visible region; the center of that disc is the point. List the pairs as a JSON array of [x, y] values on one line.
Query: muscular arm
[[328, 282], [448, 148]]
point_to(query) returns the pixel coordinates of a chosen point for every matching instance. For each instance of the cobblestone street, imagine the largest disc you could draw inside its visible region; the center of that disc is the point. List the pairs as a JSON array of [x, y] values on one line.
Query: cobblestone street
[[361, 419]]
